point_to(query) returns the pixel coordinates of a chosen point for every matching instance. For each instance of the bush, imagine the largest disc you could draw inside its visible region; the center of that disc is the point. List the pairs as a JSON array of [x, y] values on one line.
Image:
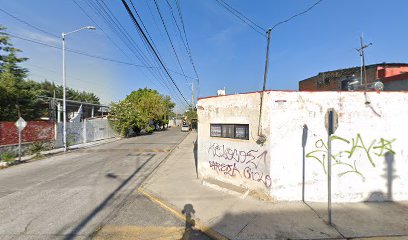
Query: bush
[[149, 130], [36, 148], [8, 157]]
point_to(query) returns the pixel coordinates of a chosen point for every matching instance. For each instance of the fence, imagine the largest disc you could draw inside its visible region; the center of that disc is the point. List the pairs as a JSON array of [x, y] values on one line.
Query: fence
[[83, 132]]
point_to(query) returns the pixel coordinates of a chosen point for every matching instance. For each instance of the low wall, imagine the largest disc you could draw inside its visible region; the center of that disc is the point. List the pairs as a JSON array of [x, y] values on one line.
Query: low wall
[[34, 131], [25, 147], [369, 159]]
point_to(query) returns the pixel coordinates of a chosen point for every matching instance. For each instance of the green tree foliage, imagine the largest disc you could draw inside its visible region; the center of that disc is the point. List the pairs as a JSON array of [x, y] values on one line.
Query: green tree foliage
[[191, 114], [139, 109], [19, 96]]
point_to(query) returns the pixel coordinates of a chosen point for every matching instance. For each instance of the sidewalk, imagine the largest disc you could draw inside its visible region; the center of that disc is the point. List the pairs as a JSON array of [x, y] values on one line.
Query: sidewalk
[[231, 216], [28, 158]]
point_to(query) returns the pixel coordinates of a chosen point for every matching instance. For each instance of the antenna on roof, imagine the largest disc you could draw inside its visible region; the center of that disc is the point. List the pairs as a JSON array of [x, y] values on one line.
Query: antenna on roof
[[362, 55]]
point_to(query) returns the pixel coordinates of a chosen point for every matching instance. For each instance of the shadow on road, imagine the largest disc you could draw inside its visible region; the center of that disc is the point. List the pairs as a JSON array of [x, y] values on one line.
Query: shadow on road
[[73, 234], [190, 233], [195, 156]]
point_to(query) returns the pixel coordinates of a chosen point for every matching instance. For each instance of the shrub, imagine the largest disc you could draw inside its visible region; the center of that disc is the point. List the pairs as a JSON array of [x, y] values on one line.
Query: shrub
[[36, 148], [8, 157], [149, 130]]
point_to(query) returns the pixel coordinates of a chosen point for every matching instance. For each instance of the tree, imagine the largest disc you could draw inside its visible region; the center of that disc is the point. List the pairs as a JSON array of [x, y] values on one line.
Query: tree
[[11, 78], [19, 96], [191, 114], [139, 110]]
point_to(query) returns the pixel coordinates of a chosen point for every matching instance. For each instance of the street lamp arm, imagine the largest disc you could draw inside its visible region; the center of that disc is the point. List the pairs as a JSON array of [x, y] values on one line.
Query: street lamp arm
[[82, 28]]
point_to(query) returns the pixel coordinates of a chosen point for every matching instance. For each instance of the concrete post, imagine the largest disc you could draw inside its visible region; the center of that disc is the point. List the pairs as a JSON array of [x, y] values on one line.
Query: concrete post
[[84, 131]]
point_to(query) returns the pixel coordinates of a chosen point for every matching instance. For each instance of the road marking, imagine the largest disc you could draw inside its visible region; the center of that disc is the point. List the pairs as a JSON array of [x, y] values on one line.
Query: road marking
[[383, 238], [198, 224], [126, 150]]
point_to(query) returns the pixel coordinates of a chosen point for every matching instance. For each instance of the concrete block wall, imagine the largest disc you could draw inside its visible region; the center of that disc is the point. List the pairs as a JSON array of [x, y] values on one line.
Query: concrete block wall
[[370, 161], [83, 132]]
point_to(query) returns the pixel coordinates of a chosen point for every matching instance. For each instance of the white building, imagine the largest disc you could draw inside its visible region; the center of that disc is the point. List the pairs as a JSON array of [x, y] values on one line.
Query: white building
[[369, 147]]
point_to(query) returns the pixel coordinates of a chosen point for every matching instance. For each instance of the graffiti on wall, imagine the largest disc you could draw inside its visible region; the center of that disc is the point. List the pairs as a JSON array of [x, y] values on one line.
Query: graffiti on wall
[[354, 150], [242, 163]]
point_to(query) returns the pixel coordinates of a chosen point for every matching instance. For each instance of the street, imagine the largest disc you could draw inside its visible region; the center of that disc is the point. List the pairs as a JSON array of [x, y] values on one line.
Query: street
[[73, 195]]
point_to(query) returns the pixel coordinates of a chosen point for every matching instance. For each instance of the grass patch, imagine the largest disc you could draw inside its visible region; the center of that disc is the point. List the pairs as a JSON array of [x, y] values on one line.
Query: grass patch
[[8, 157], [36, 148]]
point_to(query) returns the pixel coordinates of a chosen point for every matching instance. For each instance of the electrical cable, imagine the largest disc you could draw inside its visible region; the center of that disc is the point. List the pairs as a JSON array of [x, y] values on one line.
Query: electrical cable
[[188, 46], [75, 51], [242, 17], [297, 15], [29, 24], [168, 36], [141, 32]]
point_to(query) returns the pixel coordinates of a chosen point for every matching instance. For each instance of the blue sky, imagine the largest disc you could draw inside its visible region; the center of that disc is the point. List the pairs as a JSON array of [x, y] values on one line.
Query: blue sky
[[226, 52]]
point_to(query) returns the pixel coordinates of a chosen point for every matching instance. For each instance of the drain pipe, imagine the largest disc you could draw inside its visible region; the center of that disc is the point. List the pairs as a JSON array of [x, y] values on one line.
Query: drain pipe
[[261, 137]]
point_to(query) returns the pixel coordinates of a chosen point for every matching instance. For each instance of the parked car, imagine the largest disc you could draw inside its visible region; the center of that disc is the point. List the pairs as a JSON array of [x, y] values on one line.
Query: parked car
[[185, 128]]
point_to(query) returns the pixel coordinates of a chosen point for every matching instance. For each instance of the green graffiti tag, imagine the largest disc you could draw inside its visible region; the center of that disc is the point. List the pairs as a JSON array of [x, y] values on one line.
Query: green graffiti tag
[[347, 157]]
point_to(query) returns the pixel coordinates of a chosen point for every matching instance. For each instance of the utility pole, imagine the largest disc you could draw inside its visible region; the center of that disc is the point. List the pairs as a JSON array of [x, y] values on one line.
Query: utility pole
[[64, 101], [262, 138], [192, 95], [362, 56]]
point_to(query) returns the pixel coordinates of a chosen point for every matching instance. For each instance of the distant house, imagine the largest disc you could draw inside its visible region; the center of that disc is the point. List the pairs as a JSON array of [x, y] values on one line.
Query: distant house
[[396, 83], [384, 72]]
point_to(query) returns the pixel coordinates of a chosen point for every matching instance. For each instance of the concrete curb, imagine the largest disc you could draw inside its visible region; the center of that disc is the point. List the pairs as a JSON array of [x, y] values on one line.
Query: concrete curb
[[59, 151], [177, 213], [163, 161], [167, 206]]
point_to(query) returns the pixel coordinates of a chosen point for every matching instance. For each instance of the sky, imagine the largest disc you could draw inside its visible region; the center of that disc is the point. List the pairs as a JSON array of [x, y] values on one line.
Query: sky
[[226, 51]]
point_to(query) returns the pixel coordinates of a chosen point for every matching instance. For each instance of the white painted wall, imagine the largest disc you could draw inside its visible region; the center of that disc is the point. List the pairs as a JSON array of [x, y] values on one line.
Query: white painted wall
[[86, 131], [363, 171], [245, 160]]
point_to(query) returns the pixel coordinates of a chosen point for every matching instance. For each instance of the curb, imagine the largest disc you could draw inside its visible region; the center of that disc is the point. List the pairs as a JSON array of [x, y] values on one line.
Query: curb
[[163, 161], [55, 152], [198, 224]]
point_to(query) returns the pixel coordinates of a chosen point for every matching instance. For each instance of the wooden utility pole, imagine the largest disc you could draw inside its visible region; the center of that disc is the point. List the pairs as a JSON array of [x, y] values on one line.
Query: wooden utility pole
[[363, 74], [262, 137]]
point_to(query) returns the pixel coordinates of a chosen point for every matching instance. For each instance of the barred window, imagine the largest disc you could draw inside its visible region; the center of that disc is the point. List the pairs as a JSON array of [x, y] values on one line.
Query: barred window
[[237, 131], [215, 130]]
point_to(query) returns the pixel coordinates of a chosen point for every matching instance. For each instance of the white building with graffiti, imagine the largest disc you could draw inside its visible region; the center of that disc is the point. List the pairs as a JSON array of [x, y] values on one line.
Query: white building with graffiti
[[368, 149]]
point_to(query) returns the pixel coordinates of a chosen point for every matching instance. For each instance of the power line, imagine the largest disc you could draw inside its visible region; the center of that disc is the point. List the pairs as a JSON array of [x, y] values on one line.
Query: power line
[[99, 27], [168, 36], [71, 50], [104, 11], [297, 15], [190, 55], [242, 17], [140, 30], [75, 51], [154, 45], [177, 25], [28, 24]]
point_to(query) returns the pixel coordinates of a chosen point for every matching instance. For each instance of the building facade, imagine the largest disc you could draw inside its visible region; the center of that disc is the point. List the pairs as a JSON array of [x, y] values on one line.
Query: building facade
[[332, 80], [369, 157]]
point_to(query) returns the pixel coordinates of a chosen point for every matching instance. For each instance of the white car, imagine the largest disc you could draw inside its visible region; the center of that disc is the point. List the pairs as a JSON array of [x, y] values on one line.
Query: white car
[[185, 128]]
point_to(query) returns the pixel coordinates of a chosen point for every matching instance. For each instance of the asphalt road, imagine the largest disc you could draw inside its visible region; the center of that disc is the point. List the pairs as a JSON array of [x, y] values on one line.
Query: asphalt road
[[90, 193]]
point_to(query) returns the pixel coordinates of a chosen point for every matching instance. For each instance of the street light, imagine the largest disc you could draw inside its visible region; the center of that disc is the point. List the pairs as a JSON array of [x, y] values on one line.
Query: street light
[[64, 82]]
